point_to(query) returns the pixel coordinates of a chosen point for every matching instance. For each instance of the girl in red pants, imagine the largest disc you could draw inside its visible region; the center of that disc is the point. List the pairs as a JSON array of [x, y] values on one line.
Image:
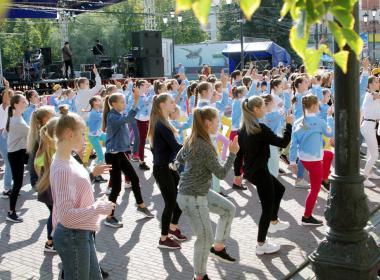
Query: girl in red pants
[[307, 144]]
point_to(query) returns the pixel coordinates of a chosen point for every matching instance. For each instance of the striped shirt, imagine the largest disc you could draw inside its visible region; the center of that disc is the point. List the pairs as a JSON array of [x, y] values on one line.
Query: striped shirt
[[73, 198]]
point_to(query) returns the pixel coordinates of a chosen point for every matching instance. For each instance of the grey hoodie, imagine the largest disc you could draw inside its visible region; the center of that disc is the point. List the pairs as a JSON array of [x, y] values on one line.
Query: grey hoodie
[[200, 163]]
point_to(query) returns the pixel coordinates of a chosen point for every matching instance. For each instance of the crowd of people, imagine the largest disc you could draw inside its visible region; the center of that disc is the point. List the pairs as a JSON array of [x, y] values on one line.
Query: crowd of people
[[197, 132]]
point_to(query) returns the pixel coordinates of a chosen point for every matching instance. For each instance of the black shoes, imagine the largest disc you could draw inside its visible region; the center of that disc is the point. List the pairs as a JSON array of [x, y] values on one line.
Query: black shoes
[[326, 185], [285, 159], [240, 188], [100, 179], [222, 255], [143, 166], [311, 221]]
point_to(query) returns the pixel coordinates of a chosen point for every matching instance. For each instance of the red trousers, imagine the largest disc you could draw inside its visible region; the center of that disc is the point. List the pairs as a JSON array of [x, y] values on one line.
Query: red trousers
[[142, 126], [318, 171]]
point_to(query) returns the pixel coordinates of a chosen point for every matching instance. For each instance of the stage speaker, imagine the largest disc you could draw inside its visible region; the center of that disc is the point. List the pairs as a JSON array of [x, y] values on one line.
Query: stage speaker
[[105, 73], [85, 74], [105, 62], [146, 44], [46, 54], [150, 67]]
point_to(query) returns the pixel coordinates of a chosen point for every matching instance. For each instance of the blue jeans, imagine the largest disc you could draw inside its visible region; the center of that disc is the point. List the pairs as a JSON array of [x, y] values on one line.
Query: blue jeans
[[133, 126], [76, 248], [4, 154], [197, 210], [300, 170], [95, 142]]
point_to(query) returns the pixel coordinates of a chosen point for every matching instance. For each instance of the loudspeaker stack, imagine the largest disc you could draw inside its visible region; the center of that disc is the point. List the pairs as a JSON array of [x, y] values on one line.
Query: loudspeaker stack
[[147, 51]]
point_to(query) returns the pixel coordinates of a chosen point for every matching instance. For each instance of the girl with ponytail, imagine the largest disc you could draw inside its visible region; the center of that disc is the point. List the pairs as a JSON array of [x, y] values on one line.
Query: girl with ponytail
[[17, 130], [254, 141], [196, 199]]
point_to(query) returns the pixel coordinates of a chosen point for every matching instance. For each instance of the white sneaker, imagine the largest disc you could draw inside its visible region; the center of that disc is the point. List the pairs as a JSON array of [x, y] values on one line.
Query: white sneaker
[[302, 184], [108, 191], [374, 176], [127, 185], [267, 248], [368, 184], [279, 226]]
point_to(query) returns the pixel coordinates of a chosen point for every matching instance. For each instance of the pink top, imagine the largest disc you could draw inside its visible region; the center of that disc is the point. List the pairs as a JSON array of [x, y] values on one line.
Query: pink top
[[73, 198]]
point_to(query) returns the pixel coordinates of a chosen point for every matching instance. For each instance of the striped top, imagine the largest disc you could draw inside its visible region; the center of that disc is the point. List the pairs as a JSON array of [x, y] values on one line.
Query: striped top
[[73, 197]]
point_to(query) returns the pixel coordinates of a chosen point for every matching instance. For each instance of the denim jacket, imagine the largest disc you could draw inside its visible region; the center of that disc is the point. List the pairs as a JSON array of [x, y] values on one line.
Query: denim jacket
[[117, 130]]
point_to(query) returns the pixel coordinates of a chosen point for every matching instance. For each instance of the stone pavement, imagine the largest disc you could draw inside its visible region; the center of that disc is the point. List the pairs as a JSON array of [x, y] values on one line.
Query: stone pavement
[[131, 252]]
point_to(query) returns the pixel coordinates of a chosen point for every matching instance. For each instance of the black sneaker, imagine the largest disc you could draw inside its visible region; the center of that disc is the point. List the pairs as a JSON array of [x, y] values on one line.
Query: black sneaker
[[100, 179], [311, 221], [12, 217], [104, 273], [285, 159], [49, 248], [93, 156], [204, 278], [281, 171], [222, 255], [113, 222], [143, 166], [240, 188], [326, 185], [224, 195], [145, 211], [6, 194], [168, 243]]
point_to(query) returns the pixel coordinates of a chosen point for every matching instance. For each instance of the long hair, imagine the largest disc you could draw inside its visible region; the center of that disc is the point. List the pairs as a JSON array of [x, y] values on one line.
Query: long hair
[[106, 110], [15, 99], [201, 87], [297, 81], [248, 121], [191, 89], [67, 120], [156, 115], [198, 130], [307, 102], [47, 150], [36, 122], [274, 83]]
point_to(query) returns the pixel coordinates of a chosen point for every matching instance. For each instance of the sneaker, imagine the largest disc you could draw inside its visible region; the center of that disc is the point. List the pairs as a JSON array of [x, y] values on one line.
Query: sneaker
[[285, 159], [100, 179], [104, 273], [168, 243], [6, 194], [374, 176], [224, 195], [267, 248], [204, 278], [240, 188], [135, 158], [108, 191], [12, 217], [326, 185], [311, 221], [176, 234], [127, 185], [222, 255], [113, 222], [302, 184], [368, 184], [49, 248], [277, 227], [145, 211], [93, 156], [143, 166]]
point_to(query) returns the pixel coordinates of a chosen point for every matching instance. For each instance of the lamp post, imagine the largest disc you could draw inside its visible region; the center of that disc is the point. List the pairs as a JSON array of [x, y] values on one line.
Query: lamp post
[[241, 21], [348, 251], [174, 23], [374, 12]]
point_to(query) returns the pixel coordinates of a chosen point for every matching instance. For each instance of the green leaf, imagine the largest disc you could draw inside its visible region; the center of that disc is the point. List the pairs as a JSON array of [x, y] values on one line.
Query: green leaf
[[298, 44], [312, 59], [341, 59], [311, 17], [344, 16], [249, 7], [286, 8], [346, 4], [337, 33], [183, 5], [353, 40], [201, 10]]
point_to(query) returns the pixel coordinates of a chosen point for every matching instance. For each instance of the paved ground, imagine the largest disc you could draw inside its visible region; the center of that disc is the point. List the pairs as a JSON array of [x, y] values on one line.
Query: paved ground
[[131, 252]]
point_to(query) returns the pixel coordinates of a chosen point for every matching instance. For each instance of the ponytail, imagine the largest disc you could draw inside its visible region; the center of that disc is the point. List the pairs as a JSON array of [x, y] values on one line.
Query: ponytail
[[106, 110], [10, 114], [15, 99], [249, 122]]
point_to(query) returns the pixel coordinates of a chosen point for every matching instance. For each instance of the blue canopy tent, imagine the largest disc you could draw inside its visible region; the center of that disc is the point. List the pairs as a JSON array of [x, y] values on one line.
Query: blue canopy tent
[[255, 51]]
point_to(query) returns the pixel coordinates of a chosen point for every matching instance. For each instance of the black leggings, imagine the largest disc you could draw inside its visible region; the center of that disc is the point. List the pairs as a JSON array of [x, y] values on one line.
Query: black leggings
[[121, 163], [270, 192], [16, 161], [167, 180]]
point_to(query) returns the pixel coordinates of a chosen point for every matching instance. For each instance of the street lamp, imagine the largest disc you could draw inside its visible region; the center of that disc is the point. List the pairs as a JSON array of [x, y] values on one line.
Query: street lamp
[[365, 17], [166, 21], [241, 21], [374, 12]]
